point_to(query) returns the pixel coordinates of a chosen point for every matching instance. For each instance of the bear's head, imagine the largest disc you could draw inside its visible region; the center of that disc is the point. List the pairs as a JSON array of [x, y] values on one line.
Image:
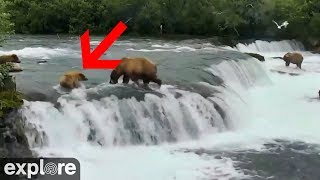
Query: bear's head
[[114, 77], [287, 58], [15, 58], [82, 77]]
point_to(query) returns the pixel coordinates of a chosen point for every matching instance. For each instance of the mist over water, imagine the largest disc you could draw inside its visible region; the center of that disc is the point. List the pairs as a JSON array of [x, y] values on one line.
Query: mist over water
[[217, 111]]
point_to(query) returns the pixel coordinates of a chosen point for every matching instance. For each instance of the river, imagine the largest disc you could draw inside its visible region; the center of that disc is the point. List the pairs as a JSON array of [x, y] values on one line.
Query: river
[[219, 114]]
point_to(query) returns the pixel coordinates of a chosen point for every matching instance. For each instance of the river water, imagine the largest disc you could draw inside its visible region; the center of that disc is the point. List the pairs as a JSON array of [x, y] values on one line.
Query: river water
[[219, 114]]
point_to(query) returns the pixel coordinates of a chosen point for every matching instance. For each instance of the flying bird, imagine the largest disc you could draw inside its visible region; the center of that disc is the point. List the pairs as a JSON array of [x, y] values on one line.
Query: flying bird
[[284, 24]]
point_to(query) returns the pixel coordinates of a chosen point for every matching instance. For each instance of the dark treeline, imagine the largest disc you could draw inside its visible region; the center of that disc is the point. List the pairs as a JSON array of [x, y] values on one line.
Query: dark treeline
[[244, 18]]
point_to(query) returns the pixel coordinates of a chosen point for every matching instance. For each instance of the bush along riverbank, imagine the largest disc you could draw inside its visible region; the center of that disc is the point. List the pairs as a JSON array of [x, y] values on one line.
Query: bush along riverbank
[[13, 141], [245, 19]]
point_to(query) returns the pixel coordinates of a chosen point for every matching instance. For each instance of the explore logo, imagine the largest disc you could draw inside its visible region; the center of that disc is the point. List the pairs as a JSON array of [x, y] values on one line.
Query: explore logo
[[40, 168]]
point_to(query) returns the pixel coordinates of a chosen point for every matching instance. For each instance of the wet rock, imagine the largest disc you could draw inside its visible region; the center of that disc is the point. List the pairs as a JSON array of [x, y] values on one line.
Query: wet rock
[[257, 56], [312, 44], [42, 62], [51, 96], [16, 68], [13, 141], [317, 50]]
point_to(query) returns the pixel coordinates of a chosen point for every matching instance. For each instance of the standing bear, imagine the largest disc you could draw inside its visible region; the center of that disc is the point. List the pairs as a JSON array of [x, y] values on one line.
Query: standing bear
[[135, 69], [12, 58], [71, 79], [294, 58]]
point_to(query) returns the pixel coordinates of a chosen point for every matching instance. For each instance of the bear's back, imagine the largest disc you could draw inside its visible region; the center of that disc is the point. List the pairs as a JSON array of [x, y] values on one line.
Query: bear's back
[[6, 58], [296, 58], [70, 79], [137, 65]]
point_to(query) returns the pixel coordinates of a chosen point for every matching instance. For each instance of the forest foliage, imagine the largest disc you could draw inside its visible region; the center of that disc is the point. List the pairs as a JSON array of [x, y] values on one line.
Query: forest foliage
[[244, 18], [9, 98]]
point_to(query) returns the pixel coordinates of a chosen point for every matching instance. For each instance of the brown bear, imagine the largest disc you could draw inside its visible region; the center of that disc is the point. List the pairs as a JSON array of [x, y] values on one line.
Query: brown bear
[[70, 80], [135, 69], [13, 58], [294, 58]]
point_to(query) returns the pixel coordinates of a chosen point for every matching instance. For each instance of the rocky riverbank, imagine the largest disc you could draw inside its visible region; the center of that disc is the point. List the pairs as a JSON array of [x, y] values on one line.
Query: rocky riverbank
[[13, 141]]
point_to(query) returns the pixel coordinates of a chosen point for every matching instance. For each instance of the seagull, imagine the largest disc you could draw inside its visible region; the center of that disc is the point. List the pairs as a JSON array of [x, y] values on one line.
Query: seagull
[[284, 24]]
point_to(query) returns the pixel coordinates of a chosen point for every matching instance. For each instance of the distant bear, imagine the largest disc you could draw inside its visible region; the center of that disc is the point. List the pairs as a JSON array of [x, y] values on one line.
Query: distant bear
[[13, 58], [135, 69], [70, 80], [294, 58]]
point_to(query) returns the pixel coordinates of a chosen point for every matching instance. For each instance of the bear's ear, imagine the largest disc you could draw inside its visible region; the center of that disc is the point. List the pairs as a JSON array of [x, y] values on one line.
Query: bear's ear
[[15, 58]]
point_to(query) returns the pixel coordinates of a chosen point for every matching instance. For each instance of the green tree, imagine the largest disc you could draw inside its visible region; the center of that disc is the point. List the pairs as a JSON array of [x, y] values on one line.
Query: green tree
[[242, 18], [6, 27]]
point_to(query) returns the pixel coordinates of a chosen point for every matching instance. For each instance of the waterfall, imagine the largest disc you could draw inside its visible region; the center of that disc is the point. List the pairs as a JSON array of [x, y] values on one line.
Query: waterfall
[[175, 115], [275, 46]]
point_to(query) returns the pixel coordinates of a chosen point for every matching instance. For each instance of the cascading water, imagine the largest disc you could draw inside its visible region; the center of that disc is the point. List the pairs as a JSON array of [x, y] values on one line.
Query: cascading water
[[170, 115], [269, 47]]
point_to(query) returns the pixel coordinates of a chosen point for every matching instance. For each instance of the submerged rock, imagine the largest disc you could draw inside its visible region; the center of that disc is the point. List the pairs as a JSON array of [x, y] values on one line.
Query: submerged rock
[[277, 57], [257, 56], [42, 61]]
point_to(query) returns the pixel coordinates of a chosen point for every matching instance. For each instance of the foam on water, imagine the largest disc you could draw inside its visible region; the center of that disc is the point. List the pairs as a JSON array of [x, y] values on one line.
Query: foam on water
[[39, 52], [292, 109], [99, 159], [166, 45], [274, 46], [118, 43], [152, 121], [152, 50]]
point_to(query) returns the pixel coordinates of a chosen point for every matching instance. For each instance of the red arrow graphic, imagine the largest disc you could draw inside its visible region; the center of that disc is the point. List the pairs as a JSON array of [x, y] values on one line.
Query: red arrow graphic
[[90, 60]]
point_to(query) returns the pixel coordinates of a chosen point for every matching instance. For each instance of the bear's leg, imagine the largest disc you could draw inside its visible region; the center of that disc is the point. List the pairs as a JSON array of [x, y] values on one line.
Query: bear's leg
[[125, 79], [158, 81], [135, 78], [287, 63], [299, 65], [146, 81]]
